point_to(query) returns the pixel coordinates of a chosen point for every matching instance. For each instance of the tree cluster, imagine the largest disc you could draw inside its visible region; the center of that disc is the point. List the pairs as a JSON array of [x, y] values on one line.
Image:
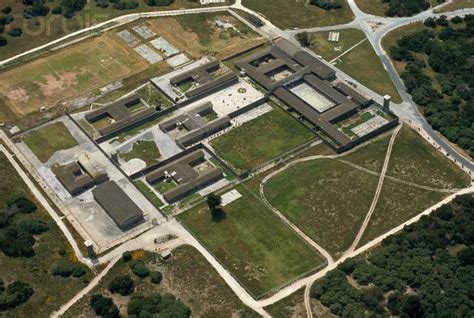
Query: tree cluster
[[449, 105], [425, 271], [139, 268], [104, 306], [157, 305], [122, 284], [405, 8], [158, 3], [327, 4], [17, 238], [67, 269], [14, 295]]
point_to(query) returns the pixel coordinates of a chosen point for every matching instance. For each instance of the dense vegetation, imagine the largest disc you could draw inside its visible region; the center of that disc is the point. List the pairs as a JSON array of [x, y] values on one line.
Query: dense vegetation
[[438, 75], [157, 305], [425, 271], [327, 4], [14, 295], [403, 8]]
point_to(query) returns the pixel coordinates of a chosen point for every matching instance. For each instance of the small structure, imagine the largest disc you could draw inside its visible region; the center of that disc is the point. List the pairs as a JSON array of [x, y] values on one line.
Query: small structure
[[118, 205], [333, 36], [386, 101], [90, 249]]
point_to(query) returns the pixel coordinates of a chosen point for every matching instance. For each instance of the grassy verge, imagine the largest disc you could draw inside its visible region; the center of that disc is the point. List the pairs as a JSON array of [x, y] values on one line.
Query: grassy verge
[[186, 274], [144, 150], [291, 306], [288, 14], [414, 159], [362, 57], [260, 140], [325, 198], [50, 292], [44, 142], [252, 243], [149, 194]]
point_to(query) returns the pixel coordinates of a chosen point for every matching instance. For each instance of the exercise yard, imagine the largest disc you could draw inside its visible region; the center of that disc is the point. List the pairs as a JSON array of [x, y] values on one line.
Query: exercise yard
[[67, 73], [299, 14], [251, 241], [45, 141], [361, 57], [198, 35], [262, 139], [145, 150]]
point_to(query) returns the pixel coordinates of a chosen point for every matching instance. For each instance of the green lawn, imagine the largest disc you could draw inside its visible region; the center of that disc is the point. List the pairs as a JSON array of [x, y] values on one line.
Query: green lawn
[[372, 156], [252, 242], [154, 97], [330, 50], [144, 150], [164, 186], [186, 275], [261, 140], [288, 14], [362, 57], [149, 194], [326, 199], [50, 292], [414, 159], [44, 142]]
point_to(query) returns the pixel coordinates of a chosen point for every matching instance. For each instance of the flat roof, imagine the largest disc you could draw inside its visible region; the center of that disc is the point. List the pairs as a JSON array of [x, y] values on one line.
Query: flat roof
[[118, 205]]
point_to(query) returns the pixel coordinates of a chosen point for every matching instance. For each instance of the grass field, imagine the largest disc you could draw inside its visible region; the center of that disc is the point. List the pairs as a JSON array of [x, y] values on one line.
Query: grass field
[[40, 30], [375, 7], [415, 160], [252, 243], [325, 198], [187, 275], [362, 56], [50, 292], [67, 73], [289, 14], [397, 204], [377, 150], [44, 142], [261, 140], [148, 193], [197, 34], [291, 306], [144, 150]]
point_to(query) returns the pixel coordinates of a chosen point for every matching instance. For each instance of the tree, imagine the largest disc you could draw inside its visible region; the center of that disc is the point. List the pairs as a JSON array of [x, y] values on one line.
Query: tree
[[122, 285], [3, 41], [139, 268], [16, 294], [127, 256], [430, 22], [156, 277], [466, 256], [160, 3], [70, 7], [303, 38], [7, 10], [66, 269], [21, 204], [327, 4], [104, 306], [213, 201], [456, 20], [411, 306]]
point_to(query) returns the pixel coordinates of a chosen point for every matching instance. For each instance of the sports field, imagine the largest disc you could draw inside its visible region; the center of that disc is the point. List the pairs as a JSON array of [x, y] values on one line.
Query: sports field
[[67, 73], [44, 142], [288, 14], [252, 242], [261, 140]]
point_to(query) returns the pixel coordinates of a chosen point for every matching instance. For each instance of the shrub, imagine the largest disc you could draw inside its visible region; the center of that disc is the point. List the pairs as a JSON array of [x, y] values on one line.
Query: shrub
[[16, 294], [22, 204], [327, 4], [122, 285], [15, 32], [139, 268], [303, 38], [159, 3], [104, 306], [456, 20], [7, 10], [15, 242], [33, 226], [67, 270], [3, 41], [127, 256], [156, 277]]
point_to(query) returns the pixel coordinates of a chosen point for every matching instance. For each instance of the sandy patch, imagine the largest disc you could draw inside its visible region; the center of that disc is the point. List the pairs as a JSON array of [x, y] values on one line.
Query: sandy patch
[[52, 84], [18, 94]]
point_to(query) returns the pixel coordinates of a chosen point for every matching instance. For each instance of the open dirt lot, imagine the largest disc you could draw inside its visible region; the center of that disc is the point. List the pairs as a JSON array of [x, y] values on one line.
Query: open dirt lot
[[66, 73]]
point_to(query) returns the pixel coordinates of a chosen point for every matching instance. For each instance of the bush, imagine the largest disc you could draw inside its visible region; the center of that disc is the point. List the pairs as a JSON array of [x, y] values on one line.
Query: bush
[[68, 270], [122, 285], [140, 269], [327, 4], [16, 294], [15, 242], [159, 3], [303, 38], [104, 306], [57, 11], [156, 277], [165, 306], [456, 20], [7, 10], [15, 32], [21, 204], [3, 41], [33, 226], [127, 256]]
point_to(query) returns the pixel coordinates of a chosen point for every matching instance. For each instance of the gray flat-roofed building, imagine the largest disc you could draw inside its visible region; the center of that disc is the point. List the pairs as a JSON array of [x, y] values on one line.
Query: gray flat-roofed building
[[118, 205], [117, 110], [355, 96], [200, 75], [175, 194], [212, 86], [203, 132], [73, 177], [133, 119], [317, 67], [191, 159]]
